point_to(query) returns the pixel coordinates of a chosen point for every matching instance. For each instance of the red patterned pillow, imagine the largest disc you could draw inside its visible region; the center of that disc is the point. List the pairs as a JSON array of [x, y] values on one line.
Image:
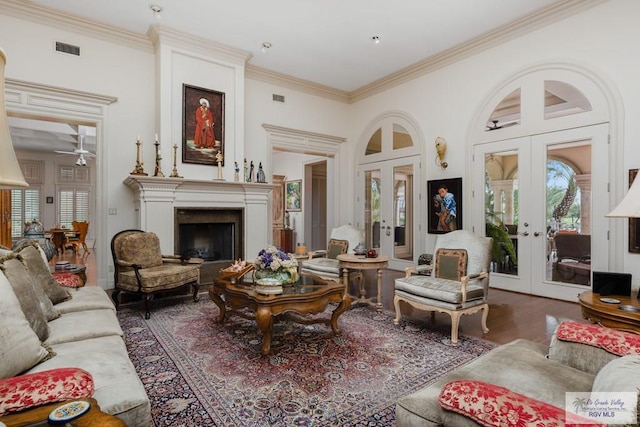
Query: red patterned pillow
[[492, 405], [55, 385], [67, 280], [612, 340]]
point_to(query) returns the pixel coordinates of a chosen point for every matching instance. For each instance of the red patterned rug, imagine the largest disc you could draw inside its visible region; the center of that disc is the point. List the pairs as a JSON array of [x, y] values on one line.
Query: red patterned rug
[[199, 373]]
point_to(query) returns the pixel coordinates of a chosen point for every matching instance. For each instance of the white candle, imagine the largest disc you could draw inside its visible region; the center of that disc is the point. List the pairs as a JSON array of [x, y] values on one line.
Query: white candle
[[138, 137], [156, 137]]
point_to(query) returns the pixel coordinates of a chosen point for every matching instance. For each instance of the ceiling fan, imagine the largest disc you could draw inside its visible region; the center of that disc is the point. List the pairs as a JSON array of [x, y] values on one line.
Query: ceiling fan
[[80, 152], [494, 125]]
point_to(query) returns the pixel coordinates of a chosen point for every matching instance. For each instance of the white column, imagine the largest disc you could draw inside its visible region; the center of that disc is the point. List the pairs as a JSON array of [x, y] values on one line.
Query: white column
[[584, 184]]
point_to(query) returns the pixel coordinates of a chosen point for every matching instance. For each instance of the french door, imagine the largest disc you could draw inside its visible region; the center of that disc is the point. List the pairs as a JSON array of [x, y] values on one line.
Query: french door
[[389, 193], [535, 188]]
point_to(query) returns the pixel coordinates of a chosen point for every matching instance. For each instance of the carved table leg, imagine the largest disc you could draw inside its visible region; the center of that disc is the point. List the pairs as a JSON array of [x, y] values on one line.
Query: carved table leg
[[341, 308], [265, 323], [221, 305]]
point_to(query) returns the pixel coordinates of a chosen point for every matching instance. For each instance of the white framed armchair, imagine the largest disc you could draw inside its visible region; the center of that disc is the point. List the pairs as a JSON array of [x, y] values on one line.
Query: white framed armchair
[[458, 283], [323, 263]]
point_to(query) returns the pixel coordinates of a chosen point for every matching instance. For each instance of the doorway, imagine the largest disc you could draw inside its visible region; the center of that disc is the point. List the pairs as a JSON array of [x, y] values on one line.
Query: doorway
[[538, 208], [388, 186]]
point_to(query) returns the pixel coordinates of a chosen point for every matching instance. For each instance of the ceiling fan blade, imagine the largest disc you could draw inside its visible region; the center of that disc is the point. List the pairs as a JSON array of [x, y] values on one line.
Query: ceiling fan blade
[[65, 152]]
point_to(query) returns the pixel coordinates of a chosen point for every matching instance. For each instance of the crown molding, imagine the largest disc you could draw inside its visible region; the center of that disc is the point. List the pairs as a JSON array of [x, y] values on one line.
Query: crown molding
[[285, 80], [63, 21], [540, 19], [160, 35]]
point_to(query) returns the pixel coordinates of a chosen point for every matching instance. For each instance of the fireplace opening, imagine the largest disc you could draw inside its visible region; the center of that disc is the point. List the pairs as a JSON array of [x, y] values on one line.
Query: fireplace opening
[[211, 242], [214, 234]]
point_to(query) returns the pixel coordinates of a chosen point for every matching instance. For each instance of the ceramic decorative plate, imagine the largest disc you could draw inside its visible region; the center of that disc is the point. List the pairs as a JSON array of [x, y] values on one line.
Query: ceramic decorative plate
[[610, 300], [69, 411]]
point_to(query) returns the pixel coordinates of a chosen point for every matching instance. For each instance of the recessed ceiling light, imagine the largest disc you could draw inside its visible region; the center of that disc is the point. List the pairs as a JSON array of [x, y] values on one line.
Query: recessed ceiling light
[[375, 39], [265, 46]]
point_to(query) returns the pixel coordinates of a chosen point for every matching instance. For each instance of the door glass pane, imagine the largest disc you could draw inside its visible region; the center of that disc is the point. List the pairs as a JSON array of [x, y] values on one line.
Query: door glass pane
[[501, 210], [506, 114], [562, 99], [403, 212], [375, 143], [372, 208], [568, 213], [401, 138]]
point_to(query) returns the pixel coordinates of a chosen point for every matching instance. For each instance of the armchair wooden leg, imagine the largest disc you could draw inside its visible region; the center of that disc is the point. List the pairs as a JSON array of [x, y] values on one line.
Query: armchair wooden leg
[[455, 322], [196, 289], [115, 298], [485, 315], [147, 305], [396, 305]]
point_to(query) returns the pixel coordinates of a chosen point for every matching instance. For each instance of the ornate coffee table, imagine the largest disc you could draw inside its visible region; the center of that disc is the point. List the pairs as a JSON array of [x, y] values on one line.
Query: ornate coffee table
[[610, 315], [360, 262], [310, 295]]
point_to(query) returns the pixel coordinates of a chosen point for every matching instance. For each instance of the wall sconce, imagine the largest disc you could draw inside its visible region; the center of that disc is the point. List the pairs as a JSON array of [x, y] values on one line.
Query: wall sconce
[[441, 149]]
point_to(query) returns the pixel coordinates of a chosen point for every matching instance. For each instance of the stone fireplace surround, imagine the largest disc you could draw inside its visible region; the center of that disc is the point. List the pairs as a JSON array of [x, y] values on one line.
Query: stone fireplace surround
[[157, 200]]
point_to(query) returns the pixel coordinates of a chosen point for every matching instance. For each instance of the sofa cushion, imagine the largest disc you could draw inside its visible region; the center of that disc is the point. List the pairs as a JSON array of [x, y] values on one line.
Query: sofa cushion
[[621, 374], [451, 264], [118, 389], [30, 304], [55, 385], [83, 325], [517, 366], [35, 260], [19, 345], [140, 248], [86, 298], [492, 405]]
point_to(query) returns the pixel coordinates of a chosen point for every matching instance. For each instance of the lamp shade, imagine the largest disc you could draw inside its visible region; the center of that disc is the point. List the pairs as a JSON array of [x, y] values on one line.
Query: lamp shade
[[629, 207], [10, 173]]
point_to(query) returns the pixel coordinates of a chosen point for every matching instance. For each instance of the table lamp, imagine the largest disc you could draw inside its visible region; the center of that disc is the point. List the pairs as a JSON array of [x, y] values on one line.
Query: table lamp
[[629, 207], [10, 173]]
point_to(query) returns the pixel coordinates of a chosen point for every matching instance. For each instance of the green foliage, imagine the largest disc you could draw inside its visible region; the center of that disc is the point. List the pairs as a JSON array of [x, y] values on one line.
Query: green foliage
[[501, 239]]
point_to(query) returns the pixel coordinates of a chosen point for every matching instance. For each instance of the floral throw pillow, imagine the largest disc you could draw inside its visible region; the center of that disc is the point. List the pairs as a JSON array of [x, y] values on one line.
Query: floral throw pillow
[[54, 385], [451, 264], [493, 405], [612, 340]]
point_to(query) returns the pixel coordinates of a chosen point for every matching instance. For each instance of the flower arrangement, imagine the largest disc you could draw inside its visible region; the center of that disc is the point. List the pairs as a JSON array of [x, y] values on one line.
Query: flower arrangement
[[274, 262]]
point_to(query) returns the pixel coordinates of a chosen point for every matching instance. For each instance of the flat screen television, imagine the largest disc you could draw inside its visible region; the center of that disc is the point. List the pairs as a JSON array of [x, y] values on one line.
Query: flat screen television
[[608, 283]]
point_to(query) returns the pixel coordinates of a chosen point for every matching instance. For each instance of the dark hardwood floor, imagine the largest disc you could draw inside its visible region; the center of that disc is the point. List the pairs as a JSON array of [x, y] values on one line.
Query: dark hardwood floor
[[511, 315]]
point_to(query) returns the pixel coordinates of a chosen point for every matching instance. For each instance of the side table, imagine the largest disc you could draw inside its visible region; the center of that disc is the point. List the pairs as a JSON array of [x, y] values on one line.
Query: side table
[[610, 315], [360, 262]]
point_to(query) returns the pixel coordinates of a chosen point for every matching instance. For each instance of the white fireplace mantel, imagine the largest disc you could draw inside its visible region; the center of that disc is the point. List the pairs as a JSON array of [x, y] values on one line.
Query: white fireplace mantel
[[157, 198]]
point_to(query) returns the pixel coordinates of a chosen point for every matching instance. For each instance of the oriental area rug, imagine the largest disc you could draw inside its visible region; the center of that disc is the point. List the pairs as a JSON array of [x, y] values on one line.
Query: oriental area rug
[[200, 373]]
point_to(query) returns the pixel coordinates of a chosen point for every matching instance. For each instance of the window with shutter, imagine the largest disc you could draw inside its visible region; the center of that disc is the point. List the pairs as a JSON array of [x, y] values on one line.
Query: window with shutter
[[25, 206]]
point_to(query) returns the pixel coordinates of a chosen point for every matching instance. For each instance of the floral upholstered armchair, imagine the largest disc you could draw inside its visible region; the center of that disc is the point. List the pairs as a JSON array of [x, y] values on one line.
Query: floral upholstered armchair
[[140, 267], [458, 283], [324, 263]]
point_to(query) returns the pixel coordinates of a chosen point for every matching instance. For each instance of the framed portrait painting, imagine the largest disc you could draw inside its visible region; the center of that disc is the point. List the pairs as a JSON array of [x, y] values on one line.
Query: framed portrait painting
[[202, 125], [293, 196], [445, 205]]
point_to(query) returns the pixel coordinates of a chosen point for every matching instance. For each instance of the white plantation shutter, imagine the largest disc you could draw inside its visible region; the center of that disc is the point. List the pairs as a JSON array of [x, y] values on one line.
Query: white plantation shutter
[[25, 206], [73, 205]]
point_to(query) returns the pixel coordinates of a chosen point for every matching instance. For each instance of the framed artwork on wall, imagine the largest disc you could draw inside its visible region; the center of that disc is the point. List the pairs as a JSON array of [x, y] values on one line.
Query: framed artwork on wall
[[634, 223], [293, 196], [202, 125], [445, 205]]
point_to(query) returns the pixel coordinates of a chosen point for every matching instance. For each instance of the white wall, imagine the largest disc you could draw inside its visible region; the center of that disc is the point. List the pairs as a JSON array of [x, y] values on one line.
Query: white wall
[[604, 39]]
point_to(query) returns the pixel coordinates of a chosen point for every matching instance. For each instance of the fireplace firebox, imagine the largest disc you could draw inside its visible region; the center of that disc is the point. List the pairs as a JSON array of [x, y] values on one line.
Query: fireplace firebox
[[215, 235]]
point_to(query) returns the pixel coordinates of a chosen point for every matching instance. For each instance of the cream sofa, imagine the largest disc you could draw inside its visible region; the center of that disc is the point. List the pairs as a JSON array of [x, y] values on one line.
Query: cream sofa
[[44, 326], [580, 358]]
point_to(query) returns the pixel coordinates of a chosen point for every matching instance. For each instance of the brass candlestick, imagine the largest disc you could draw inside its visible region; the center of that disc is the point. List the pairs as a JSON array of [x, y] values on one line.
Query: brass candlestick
[[174, 172], [158, 171], [138, 169]]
